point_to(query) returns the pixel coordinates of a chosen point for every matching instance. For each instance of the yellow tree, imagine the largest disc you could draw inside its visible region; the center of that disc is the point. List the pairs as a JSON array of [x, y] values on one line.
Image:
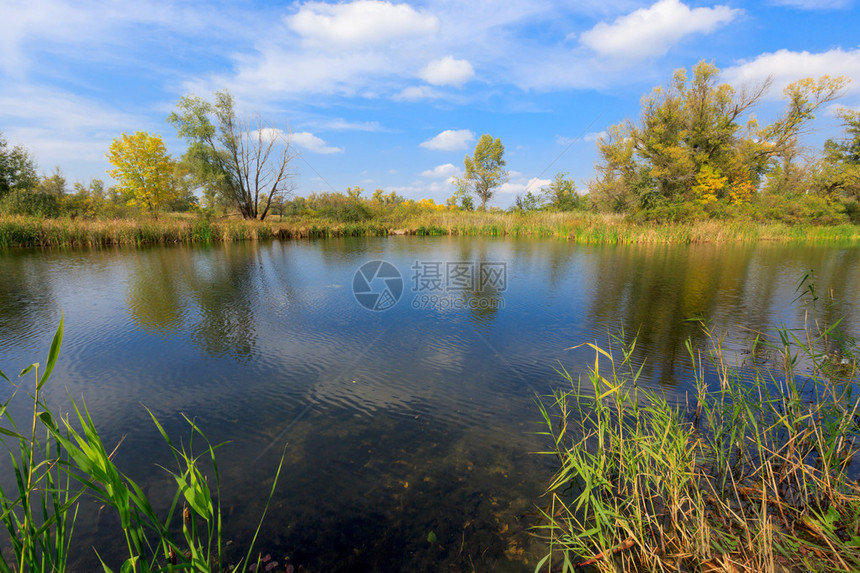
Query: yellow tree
[[143, 168]]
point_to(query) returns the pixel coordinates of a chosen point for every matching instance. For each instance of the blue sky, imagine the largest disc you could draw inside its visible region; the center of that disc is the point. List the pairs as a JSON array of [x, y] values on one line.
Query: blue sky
[[393, 95]]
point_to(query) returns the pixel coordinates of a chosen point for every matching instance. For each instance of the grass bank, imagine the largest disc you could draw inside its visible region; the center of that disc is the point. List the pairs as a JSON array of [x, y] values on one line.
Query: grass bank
[[36, 232], [587, 228], [753, 475]]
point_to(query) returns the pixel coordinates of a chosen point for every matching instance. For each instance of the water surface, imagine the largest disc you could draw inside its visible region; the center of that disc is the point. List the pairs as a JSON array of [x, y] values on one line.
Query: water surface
[[397, 423]]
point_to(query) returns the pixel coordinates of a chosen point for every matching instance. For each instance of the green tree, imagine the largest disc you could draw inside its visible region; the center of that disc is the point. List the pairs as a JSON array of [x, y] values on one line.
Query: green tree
[[846, 149], [143, 169], [780, 141], [561, 194], [528, 202], [86, 200], [484, 170], [239, 164], [461, 198], [393, 199], [184, 185], [54, 184], [621, 173], [836, 175], [45, 198], [691, 150], [17, 169]]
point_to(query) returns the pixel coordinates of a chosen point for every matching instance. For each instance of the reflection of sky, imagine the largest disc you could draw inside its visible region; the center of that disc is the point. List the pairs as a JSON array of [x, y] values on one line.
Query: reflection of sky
[[212, 329], [250, 338], [289, 307], [300, 292]]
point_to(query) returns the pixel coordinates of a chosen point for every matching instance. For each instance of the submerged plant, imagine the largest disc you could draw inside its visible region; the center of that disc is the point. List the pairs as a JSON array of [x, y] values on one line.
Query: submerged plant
[[755, 477], [53, 472]]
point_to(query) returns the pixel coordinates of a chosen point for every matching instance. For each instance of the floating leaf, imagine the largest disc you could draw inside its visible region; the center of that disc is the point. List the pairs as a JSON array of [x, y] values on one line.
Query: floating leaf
[[431, 537]]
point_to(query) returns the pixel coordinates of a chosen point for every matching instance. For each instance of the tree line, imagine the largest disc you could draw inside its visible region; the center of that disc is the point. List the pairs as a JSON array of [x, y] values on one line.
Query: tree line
[[696, 151]]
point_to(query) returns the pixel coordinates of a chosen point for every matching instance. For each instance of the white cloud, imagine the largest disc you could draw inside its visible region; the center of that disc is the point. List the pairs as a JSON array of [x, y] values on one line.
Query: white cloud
[[441, 171], [517, 187], [290, 58], [594, 136], [785, 66], [650, 32], [361, 49], [447, 72], [280, 71], [365, 48], [60, 128], [450, 140], [438, 190], [339, 124], [77, 157], [415, 93], [313, 143], [100, 29], [60, 110], [534, 185], [269, 134], [360, 23]]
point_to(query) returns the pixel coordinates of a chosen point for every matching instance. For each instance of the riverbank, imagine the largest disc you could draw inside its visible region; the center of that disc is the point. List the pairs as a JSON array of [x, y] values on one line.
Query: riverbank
[[589, 228]]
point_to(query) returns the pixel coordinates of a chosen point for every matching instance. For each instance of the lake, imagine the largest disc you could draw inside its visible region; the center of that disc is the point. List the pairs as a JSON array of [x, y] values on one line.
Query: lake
[[397, 375]]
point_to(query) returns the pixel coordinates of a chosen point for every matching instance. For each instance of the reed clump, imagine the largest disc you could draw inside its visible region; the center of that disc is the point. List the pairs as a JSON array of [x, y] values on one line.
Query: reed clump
[[56, 461], [577, 226], [752, 475]]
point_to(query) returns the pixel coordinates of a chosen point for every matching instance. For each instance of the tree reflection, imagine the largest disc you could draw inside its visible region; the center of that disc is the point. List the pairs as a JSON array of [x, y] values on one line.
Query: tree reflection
[[483, 291], [210, 294], [225, 288], [655, 290], [157, 289], [26, 299]]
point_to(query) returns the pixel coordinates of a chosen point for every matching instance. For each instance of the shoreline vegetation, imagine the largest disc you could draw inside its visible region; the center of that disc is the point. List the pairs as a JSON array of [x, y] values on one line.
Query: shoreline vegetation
[[753, 473], [576, 227]]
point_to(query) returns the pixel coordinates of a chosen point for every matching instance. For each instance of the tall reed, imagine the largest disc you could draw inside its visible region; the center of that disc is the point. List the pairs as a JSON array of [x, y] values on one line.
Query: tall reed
[[578, 227], [752, 476], [40, 515], [53, 472]]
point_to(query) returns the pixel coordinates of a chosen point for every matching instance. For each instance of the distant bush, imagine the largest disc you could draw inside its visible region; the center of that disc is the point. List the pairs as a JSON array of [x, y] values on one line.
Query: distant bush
[[34, 203], [803, 208]]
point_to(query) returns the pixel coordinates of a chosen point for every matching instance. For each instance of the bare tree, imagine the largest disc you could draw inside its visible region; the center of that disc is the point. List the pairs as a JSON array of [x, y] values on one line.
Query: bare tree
[[242, 164], [264, 158]]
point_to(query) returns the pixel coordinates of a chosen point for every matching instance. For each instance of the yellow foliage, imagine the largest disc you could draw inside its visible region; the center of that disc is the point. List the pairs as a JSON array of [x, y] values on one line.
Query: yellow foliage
[[431, 205], [143, 168], [741, 190], [709, 183]]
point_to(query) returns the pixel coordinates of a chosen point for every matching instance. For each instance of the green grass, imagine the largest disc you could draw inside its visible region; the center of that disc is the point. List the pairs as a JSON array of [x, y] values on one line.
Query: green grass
[[751, 476], [577, 227], [55, 461]]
